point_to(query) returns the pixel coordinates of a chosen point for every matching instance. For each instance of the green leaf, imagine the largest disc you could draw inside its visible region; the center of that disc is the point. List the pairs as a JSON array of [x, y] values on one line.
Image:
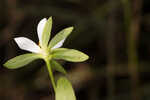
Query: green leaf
[[69, 55], [62, 35], [21, 60], [56, 66], [64, 90], [47, 32], [59, 50]]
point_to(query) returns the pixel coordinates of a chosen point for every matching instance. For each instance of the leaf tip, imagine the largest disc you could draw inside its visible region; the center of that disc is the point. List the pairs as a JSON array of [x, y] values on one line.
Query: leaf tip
[[50, 18], [6, 65], [85, 57], [69, 29]]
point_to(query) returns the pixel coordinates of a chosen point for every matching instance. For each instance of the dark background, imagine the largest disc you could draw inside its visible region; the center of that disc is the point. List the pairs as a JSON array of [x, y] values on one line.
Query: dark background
[[114, 33]]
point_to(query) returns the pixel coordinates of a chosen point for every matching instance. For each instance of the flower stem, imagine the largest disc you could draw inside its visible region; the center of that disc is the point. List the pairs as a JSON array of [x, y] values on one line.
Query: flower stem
[[50, 74]]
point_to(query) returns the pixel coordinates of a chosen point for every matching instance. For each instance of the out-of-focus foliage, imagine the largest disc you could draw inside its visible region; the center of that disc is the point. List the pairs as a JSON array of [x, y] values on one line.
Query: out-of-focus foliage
[[64, 90], [101, 30]]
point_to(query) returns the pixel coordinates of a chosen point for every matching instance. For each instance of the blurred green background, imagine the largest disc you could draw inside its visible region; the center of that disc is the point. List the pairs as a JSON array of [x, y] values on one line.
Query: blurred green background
[[114, 33]]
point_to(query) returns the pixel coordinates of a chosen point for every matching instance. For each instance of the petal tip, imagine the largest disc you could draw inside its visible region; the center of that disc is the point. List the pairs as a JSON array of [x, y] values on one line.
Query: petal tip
[[17, 39], [44, 19]]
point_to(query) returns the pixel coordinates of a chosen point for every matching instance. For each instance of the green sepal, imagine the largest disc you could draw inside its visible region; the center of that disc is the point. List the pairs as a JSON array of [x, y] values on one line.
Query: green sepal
[[56, 66], [47, 32], [57, 50], [64, 90], [62, 35], [69, 55], [22, 60]]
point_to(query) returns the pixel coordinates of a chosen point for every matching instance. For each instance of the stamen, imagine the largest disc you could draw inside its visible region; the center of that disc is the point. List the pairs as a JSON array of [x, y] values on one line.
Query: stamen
[[39, 44]]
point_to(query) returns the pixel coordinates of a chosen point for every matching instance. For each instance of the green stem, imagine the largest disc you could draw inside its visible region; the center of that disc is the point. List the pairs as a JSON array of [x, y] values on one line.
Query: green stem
[[50, 74]]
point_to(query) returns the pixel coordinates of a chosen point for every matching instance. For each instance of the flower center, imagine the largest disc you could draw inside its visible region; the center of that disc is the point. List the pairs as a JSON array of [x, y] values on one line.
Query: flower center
[[43, 51]]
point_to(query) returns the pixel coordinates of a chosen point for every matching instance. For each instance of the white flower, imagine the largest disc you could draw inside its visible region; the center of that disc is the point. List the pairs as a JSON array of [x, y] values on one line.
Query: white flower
[[28, 45]]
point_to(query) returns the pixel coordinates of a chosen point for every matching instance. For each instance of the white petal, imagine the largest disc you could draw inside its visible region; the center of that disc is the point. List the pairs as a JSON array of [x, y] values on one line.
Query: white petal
[[27, 44], [59, 44], [40, 28]]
